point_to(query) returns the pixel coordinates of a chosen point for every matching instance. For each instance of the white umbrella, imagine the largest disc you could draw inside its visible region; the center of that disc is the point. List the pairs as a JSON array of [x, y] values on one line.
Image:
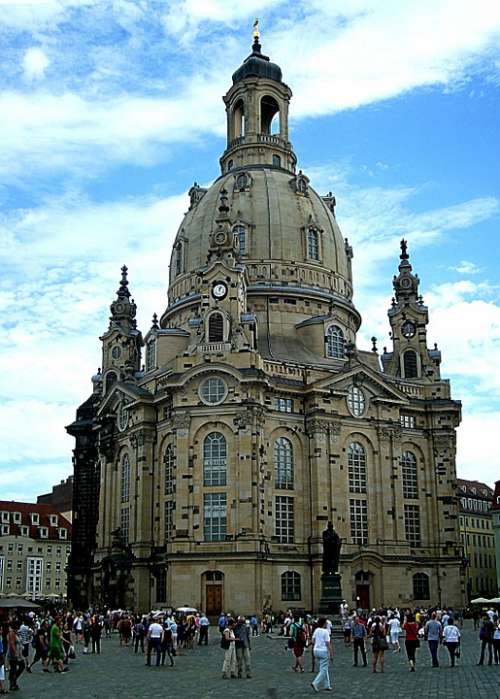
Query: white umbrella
[[480, 600], [186, 610]]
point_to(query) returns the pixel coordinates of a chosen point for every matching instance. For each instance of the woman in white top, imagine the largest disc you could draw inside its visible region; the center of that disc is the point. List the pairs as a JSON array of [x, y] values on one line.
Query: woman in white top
[[323, 651], [451, 639], [394, 631]]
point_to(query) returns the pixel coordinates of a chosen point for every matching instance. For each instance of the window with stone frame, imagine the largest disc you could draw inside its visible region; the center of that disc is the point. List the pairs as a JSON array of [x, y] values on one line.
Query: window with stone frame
[[421, 588], [214, 459], [216, 328], [410, 364], [151, 355], [356, 401], [178, 259], [283, 464], [409, 474], [358, 510], [169, 519], [407, 421], [124, 524], [125, 479], [169, 470], [241, 234], [412, 525], [284, 405], [313, 244], [161, 585], [335, 342], [290, 586], [356, 467], [215, 516], [284, 525]]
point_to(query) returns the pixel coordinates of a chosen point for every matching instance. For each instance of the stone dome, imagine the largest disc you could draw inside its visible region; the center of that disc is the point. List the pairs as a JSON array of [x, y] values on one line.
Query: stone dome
[[276, 210], [258, 65]]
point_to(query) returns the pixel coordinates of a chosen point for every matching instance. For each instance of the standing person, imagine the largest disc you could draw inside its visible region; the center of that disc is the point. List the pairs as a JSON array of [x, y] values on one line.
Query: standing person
[[496, 642], [25, 634], [95, 634], [433, 632], [155, 633], [125, 630], [166, 644], [86, 634], [410, 627], [173, 629], [359, 635], [486, 637], [347, 628], [299, 637], [242, 635], [222, 623], [41, 648], [228, 643], [254, 623], [14, 655], [56, 653], [378, 633], [66, 641], [203, 629], [139, 633], [2, 668], [323, 651], [451, 639], [394, 631], [78, 628]]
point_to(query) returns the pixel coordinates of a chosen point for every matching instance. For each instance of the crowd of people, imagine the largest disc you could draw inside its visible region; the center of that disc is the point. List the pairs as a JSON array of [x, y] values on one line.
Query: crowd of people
[[50, 640]]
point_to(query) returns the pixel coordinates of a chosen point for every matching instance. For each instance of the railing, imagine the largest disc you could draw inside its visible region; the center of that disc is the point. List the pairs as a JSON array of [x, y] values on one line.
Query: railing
[[215, 347], [236, 142], [272, 140]]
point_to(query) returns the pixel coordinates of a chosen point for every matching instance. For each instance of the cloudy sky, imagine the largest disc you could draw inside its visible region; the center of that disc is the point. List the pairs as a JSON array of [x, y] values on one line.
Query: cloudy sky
[[110, 109]]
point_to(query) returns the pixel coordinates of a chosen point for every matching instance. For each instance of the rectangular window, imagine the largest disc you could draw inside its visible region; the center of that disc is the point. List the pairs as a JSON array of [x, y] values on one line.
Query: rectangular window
[[9, 565], [150, 355], [284, 519], [5, 517], [161, 586], [16, 517], [169, 520], [34, 575], [5, 529], [124, 525], [25, 531], [44, 532], [358, 510], [215, 516], [407, 422], [63, 533], [35, 518], [284, 405], [53, 520], [412, 525], [19, 566]]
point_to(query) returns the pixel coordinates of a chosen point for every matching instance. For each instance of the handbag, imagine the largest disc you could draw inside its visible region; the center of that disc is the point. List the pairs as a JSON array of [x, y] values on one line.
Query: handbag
[[71, 653]]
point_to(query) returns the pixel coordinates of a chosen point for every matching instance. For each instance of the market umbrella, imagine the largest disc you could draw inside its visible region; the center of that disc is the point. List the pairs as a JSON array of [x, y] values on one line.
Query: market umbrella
[[480, 600], [17, 603], [186, 610], [495, 600]]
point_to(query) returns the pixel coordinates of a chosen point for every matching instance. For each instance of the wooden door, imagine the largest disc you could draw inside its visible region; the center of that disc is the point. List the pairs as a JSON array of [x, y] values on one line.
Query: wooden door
[[363, 596], [214, 600]]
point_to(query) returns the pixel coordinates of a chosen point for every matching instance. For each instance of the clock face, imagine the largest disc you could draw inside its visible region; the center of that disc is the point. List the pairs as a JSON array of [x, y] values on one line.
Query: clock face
[[219, 290], [408, 328]]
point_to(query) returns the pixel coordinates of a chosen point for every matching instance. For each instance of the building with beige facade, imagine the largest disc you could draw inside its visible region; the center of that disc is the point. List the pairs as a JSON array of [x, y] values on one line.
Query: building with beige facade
[[34, 548], [212, 471], [477, 538]]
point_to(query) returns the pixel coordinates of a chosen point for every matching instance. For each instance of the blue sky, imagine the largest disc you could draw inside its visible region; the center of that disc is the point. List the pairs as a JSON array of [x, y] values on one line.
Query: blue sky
[[110, 109]]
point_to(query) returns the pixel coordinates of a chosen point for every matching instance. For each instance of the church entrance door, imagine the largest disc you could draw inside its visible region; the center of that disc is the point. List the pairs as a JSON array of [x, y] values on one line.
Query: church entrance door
[[214, 599], [363, 596]]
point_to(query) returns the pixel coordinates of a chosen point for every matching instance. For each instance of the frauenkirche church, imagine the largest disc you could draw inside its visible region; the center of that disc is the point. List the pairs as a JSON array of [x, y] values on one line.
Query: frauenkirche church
[[207, 476]]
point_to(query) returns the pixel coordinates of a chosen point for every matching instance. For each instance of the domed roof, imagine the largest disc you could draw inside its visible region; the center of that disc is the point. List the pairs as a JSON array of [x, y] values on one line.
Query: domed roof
[[276, 209], [257, 65]]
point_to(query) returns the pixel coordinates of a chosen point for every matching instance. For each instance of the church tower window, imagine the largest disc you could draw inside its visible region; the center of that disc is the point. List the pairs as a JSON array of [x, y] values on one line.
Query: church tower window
[[216, 328], [213, 390], [269, 116], [283, 463], [276, 160], [150, 355], [111, 379], [312, 244], [409, 473], [178, 259], [125, 479], [410, 364], [335, 342], [241, 234], [356, 401], [168, 467], [214, 459], [356, 461]]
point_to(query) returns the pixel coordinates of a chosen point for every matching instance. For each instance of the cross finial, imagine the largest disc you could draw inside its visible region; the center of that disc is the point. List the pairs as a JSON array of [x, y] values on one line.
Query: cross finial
[[155, 322], [123, 290], [404, 250], [256, 47]]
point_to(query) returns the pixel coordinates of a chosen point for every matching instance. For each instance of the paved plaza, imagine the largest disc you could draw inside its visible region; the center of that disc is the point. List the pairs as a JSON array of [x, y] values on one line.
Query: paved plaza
[[119, 674]]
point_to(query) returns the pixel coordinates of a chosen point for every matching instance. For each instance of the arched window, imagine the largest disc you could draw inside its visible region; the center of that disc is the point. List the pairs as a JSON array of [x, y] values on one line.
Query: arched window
[[312, 244], [111, 379], [410, 364], [356, 466], [290, 586], [216, 328], [241, 234], [125, 479], [168, 468], [239, 119], [409, 472], [214, 459], [178, 259], [269, 108], [150, 355], [335, 342], [421, 589], [283, 463]]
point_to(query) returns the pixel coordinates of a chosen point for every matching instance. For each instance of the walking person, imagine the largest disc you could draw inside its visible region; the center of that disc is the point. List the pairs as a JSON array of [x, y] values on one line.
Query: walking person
[[410, 627], [139, 634], [14, 655], [298, 635], [2, 668], [166, 644], [203, 630], [155, 632], [95, 634], [242, 635], [41, 648], [394, 631], [358, 637], [451, 639], [228, 641], [56, 652], [486, 637], [496, 642], [323, 651], [378, 633], [433, 632]]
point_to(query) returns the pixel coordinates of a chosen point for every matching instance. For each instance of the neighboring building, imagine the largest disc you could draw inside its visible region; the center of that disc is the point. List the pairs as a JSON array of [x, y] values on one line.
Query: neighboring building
[[34, 547], [476, 535], [257, 418], [495, 518], [61, 498]]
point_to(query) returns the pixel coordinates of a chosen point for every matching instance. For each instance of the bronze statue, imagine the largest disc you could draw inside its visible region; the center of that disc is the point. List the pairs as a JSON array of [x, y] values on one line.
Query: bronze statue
[[332, 544]]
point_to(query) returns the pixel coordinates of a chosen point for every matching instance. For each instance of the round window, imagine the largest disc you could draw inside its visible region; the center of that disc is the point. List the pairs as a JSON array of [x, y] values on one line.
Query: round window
[[356, 401], [122, 418], [242, 181], [213, 390]]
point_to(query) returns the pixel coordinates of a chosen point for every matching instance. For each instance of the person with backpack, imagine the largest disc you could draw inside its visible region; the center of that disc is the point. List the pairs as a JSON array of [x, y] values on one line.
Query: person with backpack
[[486, 637], [298, 636]]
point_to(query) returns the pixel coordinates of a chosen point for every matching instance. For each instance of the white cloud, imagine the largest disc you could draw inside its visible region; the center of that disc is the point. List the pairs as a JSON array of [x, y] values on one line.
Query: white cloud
[[35, 63], [466, 267]]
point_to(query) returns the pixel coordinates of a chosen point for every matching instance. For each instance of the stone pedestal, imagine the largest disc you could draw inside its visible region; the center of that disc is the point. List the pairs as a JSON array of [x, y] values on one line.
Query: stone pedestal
[[331, 593]]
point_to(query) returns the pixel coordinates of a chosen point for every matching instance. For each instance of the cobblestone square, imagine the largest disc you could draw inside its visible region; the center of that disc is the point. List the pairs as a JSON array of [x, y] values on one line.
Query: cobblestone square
[[118, 673]]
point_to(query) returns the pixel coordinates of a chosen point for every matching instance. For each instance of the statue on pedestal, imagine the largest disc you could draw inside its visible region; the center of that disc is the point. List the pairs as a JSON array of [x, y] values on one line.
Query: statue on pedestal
[[332, 544]]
